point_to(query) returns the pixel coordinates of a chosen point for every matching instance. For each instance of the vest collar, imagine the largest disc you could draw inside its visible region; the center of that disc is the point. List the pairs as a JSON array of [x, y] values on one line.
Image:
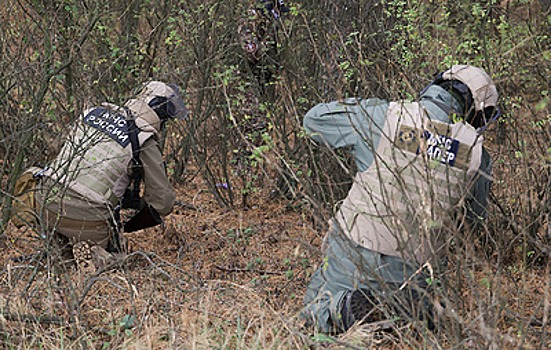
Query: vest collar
[[145, 117], [440, 104]]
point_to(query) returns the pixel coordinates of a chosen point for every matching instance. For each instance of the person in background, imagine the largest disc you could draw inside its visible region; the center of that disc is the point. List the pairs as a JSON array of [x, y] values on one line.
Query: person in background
[[258, 71], [79, 195], [422, 171]]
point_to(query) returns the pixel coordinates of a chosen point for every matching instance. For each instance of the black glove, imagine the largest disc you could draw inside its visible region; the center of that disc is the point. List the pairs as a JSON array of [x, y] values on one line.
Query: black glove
[[145, 218]]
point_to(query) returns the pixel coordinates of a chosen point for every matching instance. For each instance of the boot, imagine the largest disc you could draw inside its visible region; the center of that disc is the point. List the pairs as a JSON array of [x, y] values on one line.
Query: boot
[[82, 254], [358, 306], [91, 258]]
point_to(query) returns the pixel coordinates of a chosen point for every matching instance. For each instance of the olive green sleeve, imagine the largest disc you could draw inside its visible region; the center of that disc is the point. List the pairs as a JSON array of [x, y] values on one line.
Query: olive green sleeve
[[158, 191]]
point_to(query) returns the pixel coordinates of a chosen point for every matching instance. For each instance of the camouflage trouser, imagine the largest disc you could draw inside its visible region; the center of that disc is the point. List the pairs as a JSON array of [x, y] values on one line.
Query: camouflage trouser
[[347, 267]]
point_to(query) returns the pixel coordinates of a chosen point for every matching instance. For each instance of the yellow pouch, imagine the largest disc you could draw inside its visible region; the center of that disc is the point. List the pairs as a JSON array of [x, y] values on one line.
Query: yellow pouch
[[23, 205]]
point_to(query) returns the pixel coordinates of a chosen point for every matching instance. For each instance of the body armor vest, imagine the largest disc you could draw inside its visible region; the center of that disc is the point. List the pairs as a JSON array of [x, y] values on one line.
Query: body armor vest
[[421, 170], [94, 160]]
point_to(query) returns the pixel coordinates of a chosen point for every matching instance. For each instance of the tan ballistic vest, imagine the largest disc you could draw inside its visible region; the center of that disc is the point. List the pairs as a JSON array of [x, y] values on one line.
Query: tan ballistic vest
[[421, 170], [94, 160]]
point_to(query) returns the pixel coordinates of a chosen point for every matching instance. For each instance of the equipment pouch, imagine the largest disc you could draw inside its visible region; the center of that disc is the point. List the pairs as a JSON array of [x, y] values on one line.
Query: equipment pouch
[[24, 203], [145, 218]]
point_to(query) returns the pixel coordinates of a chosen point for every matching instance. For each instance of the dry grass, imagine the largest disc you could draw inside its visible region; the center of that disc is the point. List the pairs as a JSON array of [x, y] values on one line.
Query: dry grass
[[216, 279], [234, 279]]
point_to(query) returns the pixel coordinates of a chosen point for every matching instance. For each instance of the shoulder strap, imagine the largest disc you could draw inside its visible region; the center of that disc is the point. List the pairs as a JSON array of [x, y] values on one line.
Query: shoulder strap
[[133, 131]]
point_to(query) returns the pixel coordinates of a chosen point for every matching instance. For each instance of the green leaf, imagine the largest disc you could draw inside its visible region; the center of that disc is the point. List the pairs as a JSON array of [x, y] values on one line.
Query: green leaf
[[322, 338], [127, 321]]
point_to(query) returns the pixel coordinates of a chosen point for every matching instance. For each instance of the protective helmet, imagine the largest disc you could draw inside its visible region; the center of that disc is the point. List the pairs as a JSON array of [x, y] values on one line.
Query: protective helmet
[[164, 99], [475, 91]]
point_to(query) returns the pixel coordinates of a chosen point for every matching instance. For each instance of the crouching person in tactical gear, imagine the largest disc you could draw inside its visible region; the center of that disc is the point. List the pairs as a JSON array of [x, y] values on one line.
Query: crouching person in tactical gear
[[422, 172], [81, 191]]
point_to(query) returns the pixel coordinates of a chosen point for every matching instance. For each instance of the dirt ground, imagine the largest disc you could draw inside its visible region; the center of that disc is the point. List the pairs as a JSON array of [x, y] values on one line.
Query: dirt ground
[[206, 261], [214, 278]]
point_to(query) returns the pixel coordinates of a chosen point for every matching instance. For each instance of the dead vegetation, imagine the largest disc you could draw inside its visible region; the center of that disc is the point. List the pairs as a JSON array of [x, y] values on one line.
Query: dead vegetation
[[223, 276]]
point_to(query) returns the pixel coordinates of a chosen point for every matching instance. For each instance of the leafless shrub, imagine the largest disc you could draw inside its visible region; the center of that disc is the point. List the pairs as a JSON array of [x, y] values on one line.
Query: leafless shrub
[[58, 56]]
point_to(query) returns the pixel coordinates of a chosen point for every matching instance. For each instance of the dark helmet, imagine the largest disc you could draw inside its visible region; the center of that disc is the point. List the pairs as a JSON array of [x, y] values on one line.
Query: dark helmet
[[475, 91]]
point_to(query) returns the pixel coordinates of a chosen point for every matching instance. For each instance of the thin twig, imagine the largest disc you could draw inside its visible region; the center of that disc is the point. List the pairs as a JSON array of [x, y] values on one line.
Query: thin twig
[[33, 318], [236, 269]]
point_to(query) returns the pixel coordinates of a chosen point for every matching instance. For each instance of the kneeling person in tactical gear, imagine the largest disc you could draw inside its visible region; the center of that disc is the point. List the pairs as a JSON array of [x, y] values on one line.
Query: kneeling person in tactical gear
[[420, 165], [80, 193]]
